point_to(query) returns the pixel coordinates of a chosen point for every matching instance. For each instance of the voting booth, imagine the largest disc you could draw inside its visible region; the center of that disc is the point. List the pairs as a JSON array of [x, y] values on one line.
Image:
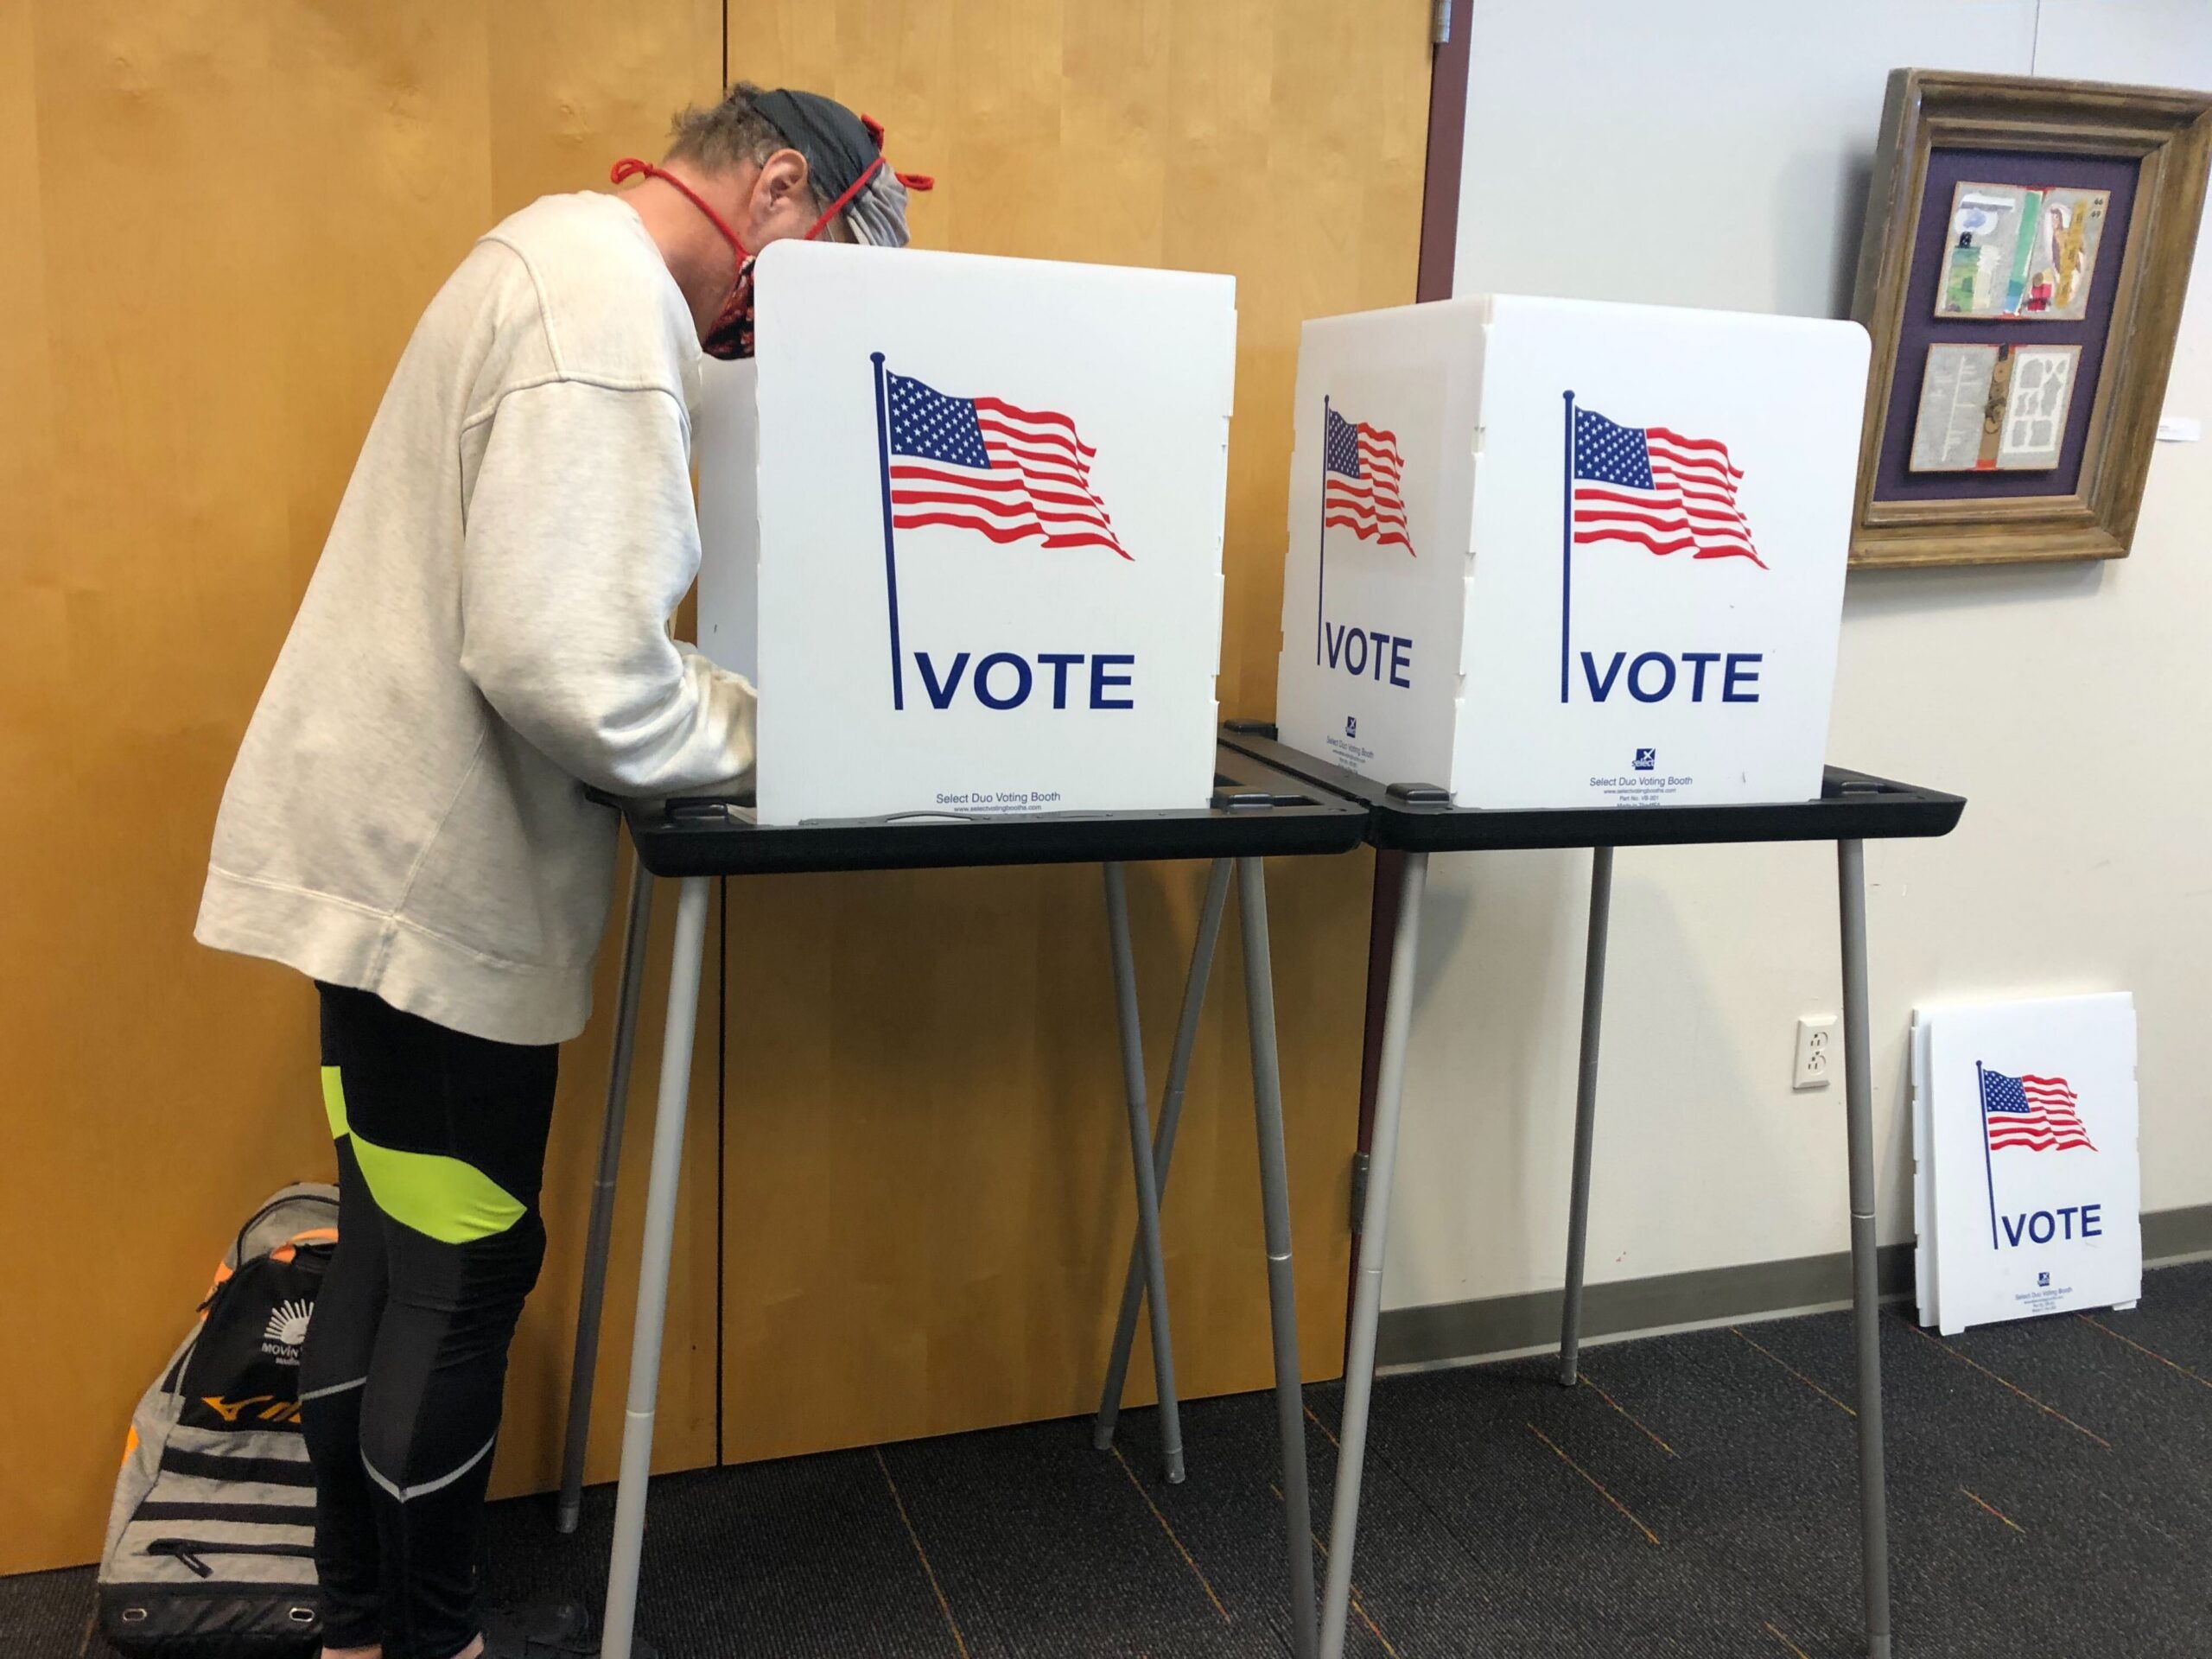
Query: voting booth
[[2027, 1183], [1554, 553], [961, 527]]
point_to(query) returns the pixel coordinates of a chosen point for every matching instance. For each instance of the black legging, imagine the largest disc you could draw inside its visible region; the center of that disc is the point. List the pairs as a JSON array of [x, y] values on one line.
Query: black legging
[[441, 1140]]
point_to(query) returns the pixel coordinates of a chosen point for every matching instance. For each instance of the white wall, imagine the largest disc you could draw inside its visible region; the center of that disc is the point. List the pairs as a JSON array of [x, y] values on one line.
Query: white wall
[[1716, 153]]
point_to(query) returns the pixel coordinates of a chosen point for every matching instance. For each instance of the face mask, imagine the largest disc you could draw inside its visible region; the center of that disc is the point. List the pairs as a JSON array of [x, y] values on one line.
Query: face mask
[[730, 334]]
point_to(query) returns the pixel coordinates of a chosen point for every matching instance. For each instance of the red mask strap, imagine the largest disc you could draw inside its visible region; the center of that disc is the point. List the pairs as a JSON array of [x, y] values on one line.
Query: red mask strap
[[630, 167], [838, 206], [911, 181]]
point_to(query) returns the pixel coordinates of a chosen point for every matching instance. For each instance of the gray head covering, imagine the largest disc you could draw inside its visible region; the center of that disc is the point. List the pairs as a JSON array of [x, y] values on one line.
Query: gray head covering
[[878, 215]]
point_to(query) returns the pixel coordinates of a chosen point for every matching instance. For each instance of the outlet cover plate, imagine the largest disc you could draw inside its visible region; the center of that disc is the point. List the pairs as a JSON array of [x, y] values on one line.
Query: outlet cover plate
[[1819, 1051]]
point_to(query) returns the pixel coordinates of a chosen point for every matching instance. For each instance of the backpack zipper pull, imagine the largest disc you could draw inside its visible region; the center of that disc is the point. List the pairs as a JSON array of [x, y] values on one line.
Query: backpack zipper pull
[[181, 1550]]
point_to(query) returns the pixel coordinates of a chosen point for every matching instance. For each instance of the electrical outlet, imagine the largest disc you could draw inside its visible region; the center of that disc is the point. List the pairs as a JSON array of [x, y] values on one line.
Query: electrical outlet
[[1819, 1054]]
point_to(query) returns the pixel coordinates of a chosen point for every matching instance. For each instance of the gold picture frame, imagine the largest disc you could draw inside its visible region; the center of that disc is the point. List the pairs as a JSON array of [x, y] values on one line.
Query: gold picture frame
[[2150, 147]]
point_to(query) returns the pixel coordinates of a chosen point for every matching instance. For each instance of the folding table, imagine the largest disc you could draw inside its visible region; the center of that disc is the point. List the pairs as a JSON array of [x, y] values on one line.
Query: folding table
[[1258, 811], [1416, 820]]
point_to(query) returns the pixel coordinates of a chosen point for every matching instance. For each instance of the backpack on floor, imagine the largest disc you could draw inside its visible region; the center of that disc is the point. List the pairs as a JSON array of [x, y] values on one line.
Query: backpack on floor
[[210, 1550]]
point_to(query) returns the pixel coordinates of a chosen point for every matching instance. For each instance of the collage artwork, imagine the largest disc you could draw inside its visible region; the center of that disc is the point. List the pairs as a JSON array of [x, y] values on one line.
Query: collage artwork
[[2014, 253]]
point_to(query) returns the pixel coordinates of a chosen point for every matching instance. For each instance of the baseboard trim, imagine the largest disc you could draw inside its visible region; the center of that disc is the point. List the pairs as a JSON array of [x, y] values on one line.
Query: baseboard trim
[[1501, 1324], [2168, 1234]]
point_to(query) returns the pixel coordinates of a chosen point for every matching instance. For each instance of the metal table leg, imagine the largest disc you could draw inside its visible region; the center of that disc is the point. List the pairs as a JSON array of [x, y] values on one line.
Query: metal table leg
[[653, 1263], [1366, 1295], [1865, 1306], [599, 1241], [1163, 1142], [1585, 1107], [1125, 1008], [1275, 1205]]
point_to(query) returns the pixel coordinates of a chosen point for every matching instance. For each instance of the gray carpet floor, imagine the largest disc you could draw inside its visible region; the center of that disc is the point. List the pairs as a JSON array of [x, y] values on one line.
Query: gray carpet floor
[[2050, 1495]]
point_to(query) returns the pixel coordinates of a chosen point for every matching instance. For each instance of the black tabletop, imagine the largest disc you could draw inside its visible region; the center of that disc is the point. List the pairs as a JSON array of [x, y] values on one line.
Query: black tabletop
[[1852, 806], [1257, 810]]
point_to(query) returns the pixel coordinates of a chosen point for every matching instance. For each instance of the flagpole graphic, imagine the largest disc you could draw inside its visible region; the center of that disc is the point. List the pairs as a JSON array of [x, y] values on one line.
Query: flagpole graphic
[[889, 551], [1981, 1116], [1321, 583], [1565, 543]]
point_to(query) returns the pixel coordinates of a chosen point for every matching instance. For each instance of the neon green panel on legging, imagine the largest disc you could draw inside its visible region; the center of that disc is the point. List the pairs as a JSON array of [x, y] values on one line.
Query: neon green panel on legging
[[443, 1198], [333, 1102]]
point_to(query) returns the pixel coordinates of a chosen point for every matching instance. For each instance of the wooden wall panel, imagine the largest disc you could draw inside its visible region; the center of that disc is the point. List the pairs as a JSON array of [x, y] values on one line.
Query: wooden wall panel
[[223, 219], [927, 1194]]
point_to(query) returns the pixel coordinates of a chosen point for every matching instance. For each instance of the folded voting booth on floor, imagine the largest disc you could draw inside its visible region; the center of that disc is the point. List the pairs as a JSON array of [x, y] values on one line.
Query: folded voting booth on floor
[[2026, 1186], [961, 521], [962, 524], [1550, 553], [1564, 574]]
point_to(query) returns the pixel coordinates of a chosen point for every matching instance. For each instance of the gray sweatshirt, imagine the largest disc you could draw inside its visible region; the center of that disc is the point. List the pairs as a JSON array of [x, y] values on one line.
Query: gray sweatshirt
[[485, 632]]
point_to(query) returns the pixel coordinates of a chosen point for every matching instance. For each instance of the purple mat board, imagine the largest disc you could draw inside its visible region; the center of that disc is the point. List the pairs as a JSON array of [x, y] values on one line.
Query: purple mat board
[[1919, 328]]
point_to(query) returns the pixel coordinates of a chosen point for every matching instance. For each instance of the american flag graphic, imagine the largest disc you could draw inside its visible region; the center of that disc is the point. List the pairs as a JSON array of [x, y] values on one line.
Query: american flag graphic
[[1360, 471], [985, 465], [2038, 1113], [1658, 489]]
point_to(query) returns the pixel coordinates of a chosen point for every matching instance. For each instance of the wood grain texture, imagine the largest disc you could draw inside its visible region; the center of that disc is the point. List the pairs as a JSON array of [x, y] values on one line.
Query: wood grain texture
[[223, 220], [927, 1191]]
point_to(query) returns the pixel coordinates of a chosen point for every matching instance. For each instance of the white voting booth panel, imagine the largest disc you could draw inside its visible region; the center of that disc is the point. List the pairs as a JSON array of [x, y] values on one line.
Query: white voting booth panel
[[2026, 1185], [1554, 553], [961, 526]]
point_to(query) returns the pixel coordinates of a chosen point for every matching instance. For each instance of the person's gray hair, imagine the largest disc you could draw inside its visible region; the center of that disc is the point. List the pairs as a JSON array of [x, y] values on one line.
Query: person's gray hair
[[727, 134], [732, 133]]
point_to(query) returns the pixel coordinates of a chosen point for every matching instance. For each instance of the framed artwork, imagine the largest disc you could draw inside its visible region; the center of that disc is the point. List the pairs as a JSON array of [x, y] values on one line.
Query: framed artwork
[[2028, 243]]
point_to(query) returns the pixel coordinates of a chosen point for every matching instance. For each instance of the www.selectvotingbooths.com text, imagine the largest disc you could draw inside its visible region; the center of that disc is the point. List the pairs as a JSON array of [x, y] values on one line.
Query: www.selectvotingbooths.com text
[[1000, 800]]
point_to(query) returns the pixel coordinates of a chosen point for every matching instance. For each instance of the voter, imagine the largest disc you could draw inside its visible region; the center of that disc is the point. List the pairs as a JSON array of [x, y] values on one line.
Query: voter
[[406, 823]]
